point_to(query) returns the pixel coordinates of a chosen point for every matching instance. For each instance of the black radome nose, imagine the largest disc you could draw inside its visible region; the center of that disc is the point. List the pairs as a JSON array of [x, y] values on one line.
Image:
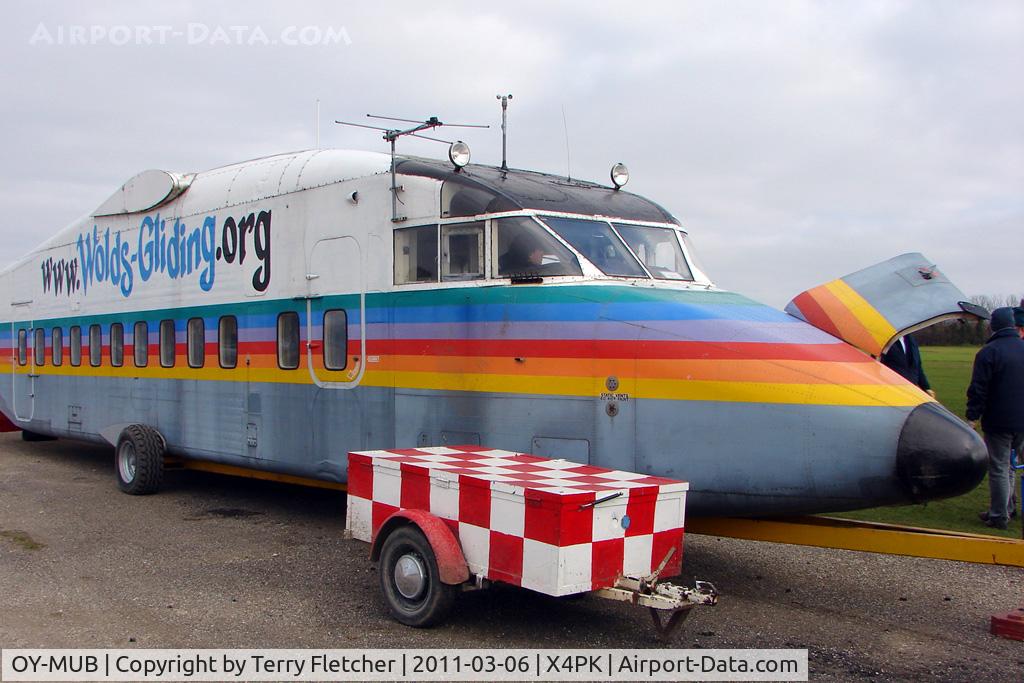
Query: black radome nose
[[939, 456]]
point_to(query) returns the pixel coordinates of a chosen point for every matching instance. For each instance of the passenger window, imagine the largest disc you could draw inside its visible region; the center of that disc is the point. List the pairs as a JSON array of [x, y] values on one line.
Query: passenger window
[[57, 346], [416, 254], [116, 344], [523, 247], [227, 341], [140, 344], [196, 342], [22, 346], [167, 343], [95, 346], [335, 340], [40, 346], [288, 340], [462, 251], [75, 342]]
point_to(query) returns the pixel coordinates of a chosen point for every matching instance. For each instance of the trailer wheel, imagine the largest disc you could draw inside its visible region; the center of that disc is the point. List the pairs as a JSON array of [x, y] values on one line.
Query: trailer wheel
[[410, 580], [139, 460]]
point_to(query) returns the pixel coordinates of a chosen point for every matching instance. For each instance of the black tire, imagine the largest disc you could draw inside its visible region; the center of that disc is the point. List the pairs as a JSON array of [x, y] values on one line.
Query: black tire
[[139, 460], [36, 436], [432, 602]]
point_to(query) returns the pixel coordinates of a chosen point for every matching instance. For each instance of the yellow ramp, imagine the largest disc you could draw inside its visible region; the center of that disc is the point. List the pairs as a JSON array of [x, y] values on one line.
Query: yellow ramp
[[872, 537]]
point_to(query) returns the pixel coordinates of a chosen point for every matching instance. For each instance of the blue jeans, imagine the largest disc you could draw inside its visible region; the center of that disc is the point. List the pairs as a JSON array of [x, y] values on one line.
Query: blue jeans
[[1000, 476]]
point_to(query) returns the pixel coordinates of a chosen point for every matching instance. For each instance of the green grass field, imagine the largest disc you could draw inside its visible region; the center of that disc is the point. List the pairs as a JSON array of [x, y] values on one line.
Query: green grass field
[[949, 370]]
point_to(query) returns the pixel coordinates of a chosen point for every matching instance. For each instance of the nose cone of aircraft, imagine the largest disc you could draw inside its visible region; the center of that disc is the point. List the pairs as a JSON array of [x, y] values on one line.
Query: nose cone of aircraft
[[938, 455]]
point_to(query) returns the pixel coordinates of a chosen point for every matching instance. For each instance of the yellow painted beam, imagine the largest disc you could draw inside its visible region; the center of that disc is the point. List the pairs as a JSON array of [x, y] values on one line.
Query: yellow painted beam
[[218, 468], [872, 537]]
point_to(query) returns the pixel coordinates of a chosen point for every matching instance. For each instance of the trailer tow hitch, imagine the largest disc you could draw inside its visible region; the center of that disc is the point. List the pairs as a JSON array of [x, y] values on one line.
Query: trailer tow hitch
[[661, 598]]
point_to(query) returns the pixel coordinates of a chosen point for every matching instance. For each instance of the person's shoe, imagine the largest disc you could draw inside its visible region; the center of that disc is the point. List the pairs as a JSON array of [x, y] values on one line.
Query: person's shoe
[[983, 516], [1002, 526]]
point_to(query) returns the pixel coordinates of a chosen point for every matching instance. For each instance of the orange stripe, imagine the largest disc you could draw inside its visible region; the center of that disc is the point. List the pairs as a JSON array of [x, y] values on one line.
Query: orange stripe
[[853, 331]]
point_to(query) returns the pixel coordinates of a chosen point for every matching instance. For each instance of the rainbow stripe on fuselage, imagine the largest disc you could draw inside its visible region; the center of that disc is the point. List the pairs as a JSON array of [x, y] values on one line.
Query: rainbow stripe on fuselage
[[550, 340], [746, 402]]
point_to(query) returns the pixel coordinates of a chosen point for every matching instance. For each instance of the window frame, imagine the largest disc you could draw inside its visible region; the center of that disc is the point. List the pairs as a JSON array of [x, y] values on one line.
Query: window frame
[[326, 340], [298, 339], [437, 254], [193, 346], [57, 346], [221, 346], [22, 346], [75, 349], [95, 345], [115, 344], [144, 346], [39, 346], [165, 324]]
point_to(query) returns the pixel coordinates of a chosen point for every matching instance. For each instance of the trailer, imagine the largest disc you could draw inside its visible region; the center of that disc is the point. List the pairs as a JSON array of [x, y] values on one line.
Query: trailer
[[441, 520]]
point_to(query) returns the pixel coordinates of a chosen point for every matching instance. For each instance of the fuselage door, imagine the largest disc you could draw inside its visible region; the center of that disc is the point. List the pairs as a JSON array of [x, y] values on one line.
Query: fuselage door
[[873, 307], [335, 308]]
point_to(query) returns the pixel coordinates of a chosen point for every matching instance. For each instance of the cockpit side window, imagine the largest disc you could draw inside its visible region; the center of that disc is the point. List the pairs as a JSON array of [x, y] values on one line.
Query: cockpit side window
[[416, 254], [462, 251], [522, 247]]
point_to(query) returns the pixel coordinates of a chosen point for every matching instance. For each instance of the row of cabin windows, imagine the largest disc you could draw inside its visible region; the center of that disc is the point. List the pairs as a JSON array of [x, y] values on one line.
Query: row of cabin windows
[[335, 347]]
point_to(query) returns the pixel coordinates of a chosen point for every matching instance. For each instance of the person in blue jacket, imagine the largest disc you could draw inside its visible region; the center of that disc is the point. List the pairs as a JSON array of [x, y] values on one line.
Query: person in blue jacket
[[996, 396]]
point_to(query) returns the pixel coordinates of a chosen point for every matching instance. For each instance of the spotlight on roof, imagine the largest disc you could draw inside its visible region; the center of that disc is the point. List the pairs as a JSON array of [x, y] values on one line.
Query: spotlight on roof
[[620, 175], [459, 154]]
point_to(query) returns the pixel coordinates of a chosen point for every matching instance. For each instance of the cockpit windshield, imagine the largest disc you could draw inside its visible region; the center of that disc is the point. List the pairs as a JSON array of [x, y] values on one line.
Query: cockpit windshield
[[658, 249], [599, 244], [605, 245]]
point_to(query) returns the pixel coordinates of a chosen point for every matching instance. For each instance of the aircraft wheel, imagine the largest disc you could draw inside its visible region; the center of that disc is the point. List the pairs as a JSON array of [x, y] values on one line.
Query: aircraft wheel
[[139, 460], [410, 580]]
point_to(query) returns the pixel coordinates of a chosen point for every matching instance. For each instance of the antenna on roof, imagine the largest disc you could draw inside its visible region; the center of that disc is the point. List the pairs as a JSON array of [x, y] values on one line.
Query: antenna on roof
[[504, 109], [316, 123], [458, 151], [568, 158]]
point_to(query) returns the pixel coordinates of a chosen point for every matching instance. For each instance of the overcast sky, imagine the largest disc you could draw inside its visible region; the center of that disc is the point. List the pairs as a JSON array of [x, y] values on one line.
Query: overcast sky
[[797, 141]]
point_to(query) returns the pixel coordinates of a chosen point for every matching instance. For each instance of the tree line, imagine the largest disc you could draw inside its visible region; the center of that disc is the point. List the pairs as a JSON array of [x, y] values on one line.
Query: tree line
[[962, 332]]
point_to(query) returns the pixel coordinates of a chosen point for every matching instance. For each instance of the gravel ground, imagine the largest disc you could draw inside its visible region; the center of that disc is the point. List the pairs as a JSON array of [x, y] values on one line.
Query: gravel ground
[[220, 562]]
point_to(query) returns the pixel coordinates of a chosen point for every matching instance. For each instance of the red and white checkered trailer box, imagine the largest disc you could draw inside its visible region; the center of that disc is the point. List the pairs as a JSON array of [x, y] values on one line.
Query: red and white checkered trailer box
[[438, 517]]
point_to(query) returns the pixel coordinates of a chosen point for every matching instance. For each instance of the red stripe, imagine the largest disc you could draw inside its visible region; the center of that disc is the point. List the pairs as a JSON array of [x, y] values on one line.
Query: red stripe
[[815, 314], [573, 348]]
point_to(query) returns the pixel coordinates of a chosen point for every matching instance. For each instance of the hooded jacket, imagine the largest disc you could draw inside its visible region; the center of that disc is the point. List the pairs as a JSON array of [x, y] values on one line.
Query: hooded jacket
[[996, 394]]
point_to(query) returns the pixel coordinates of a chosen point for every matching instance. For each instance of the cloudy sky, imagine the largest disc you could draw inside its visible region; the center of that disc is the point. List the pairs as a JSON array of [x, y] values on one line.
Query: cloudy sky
[[797, 141]]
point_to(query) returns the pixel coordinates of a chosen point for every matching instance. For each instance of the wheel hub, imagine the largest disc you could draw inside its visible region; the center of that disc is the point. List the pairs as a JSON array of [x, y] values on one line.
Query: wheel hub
[[127, 462], [410, 576]]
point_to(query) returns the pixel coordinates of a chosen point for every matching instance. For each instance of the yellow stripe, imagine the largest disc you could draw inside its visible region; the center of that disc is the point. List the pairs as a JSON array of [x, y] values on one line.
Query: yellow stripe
[[880, 329], [670, 389], [682, 390]]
